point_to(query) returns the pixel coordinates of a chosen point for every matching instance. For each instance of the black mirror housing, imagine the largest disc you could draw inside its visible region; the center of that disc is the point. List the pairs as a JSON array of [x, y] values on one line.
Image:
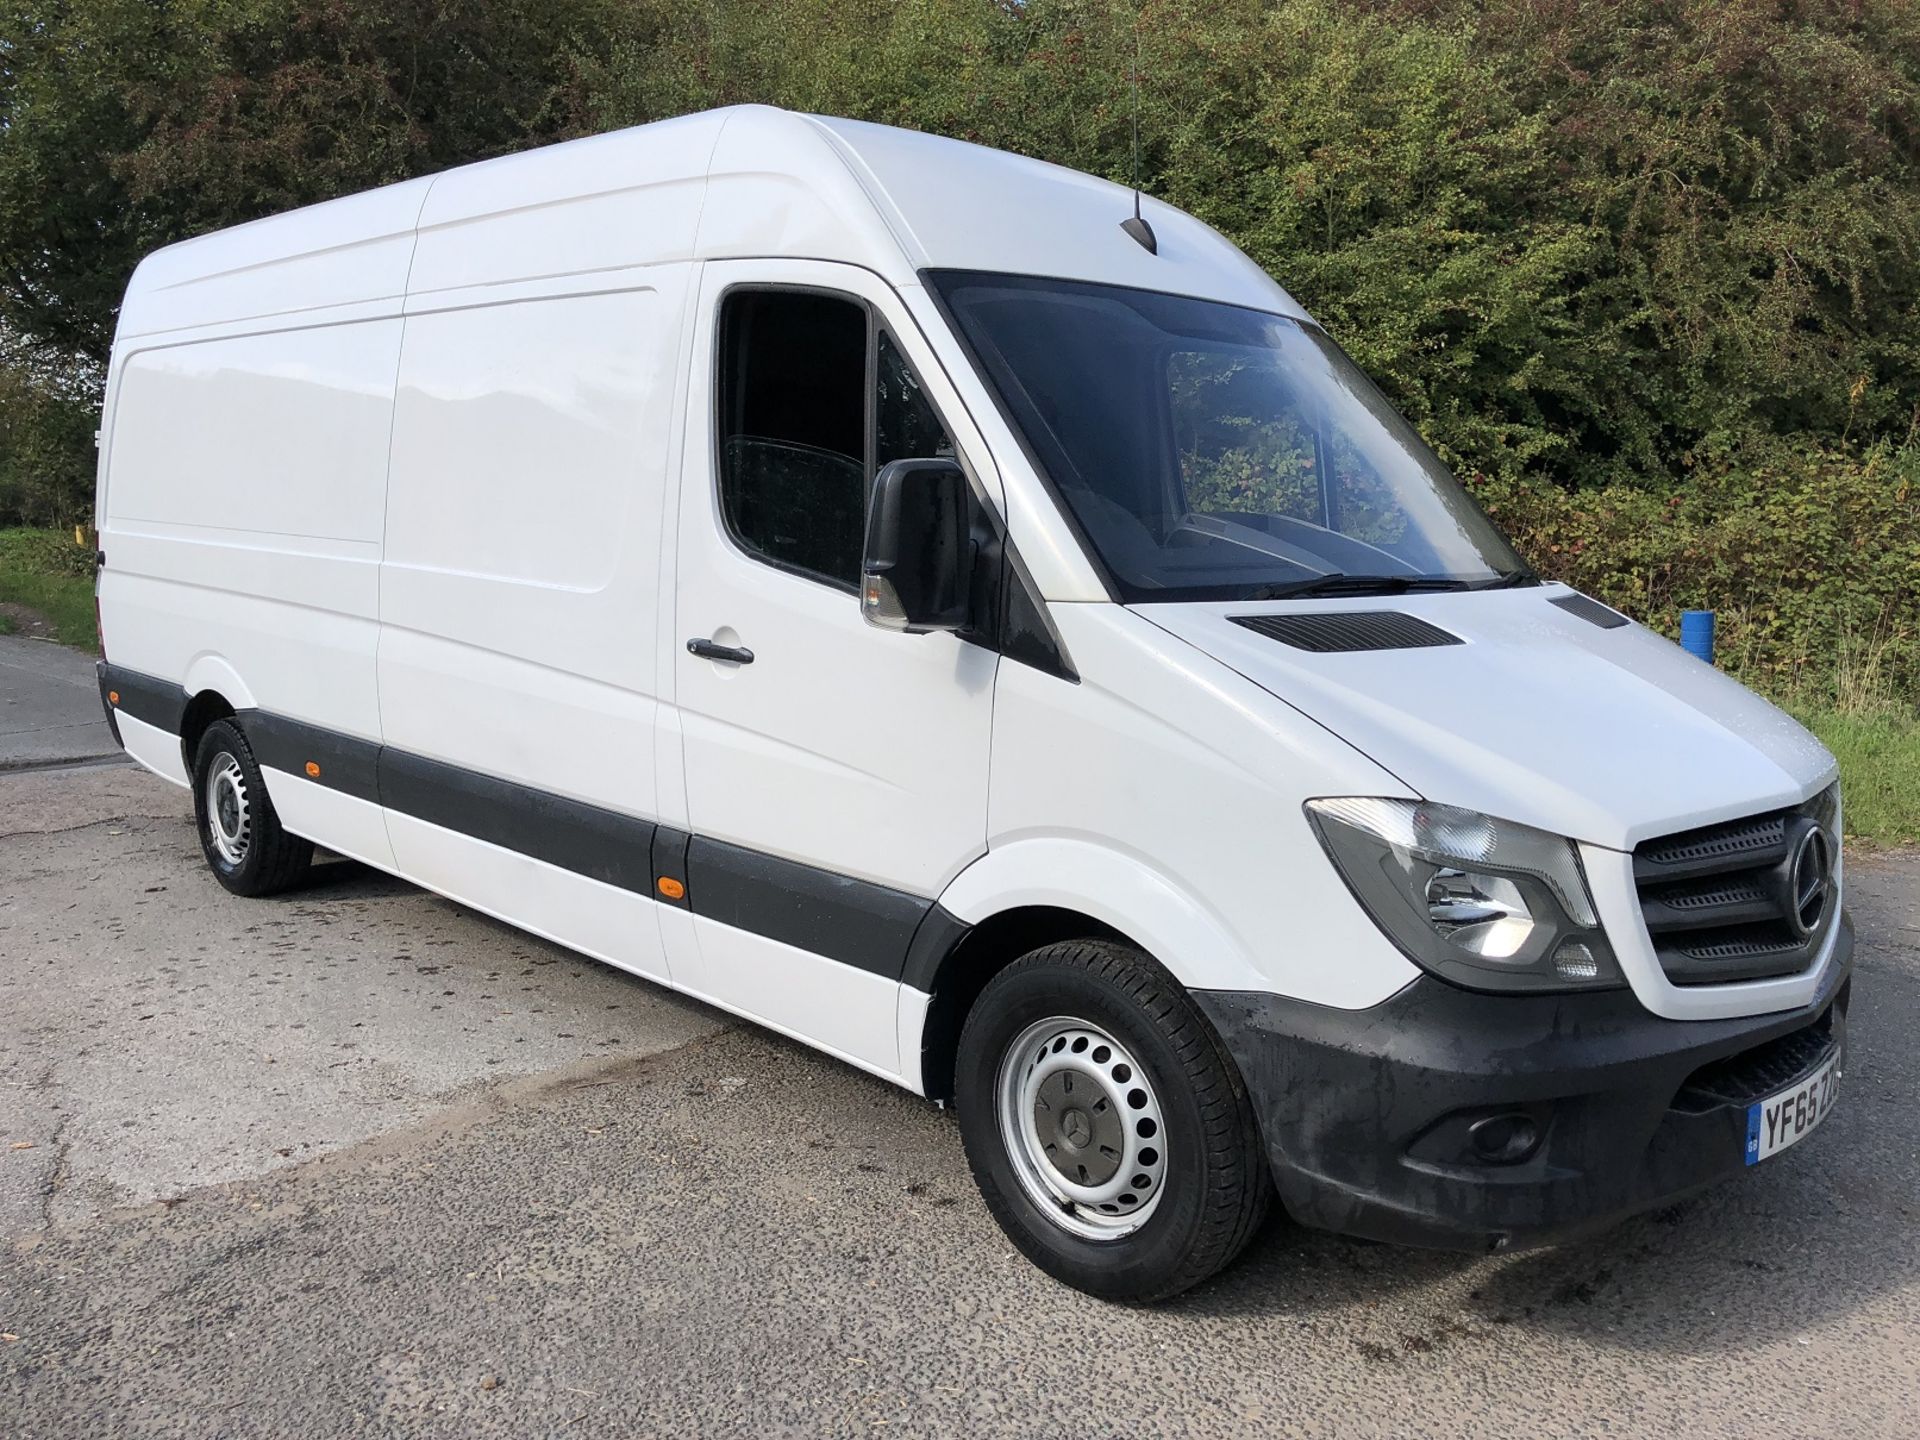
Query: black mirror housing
[[917, 569]]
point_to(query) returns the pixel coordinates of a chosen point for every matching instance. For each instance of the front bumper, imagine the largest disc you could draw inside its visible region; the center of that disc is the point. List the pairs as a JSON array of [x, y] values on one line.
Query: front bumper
[[1368, 1115]]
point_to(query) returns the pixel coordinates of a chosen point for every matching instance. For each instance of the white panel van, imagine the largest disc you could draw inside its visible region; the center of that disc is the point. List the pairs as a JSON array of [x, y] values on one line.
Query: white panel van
[[880, 586]]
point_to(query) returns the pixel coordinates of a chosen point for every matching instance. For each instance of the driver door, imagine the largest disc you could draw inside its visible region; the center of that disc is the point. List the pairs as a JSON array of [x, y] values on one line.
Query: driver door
[[835, 773]]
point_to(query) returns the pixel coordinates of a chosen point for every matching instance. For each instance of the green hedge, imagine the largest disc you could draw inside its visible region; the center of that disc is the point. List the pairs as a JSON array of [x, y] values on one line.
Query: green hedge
[[1651, 267], [46, 572], [1810, 556]]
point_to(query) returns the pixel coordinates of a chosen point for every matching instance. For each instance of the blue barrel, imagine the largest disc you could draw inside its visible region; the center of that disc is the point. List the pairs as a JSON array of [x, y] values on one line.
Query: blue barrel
[[1696, 634]]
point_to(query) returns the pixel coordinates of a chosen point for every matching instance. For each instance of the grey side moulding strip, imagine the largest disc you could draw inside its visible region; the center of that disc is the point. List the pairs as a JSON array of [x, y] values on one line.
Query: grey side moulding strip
[[859, 923]]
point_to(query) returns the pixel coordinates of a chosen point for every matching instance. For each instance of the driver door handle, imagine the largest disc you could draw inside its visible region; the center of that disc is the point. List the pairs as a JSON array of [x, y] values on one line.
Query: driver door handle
[[708, 650]]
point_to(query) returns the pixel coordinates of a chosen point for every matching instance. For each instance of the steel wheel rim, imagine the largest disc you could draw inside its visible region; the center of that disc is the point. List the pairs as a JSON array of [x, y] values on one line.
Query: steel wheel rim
[[229, 815], [1085, 1135]]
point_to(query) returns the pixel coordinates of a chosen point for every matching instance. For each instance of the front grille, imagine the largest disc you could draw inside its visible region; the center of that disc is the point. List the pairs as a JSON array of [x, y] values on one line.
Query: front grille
[[1762, 1071], [1746, 891], [1738, 943], [1720, 902], [1703, 851]]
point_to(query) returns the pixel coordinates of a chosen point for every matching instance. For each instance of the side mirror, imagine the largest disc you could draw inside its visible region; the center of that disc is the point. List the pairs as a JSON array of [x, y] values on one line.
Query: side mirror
[[916, 572]]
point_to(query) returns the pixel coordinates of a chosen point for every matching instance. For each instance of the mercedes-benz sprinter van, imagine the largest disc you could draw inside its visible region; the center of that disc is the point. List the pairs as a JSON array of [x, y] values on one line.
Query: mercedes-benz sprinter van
[[897, 592]]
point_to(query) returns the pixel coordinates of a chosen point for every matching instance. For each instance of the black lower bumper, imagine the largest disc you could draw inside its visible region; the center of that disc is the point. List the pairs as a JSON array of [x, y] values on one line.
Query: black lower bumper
[[1404, 1122]]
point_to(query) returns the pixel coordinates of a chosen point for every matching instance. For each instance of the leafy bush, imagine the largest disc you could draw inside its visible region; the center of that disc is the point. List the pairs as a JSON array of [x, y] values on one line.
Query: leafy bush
[[1810, 554], [45, 571], [1649, 270], [1879, 755], [46, 442], [45, 552]]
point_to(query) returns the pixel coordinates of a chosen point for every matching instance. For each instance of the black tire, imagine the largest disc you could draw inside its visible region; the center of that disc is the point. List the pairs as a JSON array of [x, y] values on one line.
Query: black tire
[[270, 860], [1216, 1184]]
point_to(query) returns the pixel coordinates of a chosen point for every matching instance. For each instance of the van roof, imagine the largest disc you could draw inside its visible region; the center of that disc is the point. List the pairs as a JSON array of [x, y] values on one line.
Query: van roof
[[749, 180]]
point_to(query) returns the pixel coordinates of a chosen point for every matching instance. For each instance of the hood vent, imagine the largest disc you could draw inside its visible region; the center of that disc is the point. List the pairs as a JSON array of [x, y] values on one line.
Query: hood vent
[[1590, 610], [1331, 631]]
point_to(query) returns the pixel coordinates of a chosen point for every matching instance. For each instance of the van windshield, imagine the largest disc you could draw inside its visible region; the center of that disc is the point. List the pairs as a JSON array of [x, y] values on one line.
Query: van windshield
[[1207, 451]]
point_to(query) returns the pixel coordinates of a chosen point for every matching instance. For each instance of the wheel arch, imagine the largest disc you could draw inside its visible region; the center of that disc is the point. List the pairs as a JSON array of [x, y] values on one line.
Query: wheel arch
[[1036, 892], [202, 710], [955, 966], [214, 692]]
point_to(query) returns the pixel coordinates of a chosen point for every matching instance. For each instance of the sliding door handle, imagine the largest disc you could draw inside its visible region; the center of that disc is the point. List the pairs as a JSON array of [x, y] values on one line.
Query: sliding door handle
[[709, 650]]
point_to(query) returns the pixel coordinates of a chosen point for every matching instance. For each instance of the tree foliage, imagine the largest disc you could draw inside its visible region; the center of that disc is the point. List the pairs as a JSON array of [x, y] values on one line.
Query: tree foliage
[[128, 124], [1590, 248], [47, 417]]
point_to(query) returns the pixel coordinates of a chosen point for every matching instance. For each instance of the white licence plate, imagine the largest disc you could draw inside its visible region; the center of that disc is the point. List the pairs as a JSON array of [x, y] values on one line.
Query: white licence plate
[[1789, 1117]]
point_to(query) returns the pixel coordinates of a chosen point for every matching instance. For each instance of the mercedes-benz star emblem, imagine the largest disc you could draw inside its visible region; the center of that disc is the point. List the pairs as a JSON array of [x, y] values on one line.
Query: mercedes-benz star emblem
[[1809, 881]]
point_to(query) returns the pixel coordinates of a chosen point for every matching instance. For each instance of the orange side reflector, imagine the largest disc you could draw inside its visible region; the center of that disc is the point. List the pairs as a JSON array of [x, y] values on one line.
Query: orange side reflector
[[113, 697], [313, 771], [671, 888]]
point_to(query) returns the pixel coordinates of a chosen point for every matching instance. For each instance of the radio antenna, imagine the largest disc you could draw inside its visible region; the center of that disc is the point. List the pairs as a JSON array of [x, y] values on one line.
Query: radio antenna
[[1137, 227]]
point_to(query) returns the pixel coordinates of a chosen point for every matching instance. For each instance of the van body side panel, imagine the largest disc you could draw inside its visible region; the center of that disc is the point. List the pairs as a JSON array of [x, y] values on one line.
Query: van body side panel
[[244, 508], [153, 747], [242, 474], [210, 433], [608, 922], [519, 595], [838, 1007], [345, 824]]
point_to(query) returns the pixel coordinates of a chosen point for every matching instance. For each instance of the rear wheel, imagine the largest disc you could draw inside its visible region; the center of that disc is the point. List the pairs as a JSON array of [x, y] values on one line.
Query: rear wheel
[[1110, 1134], [240, 834]]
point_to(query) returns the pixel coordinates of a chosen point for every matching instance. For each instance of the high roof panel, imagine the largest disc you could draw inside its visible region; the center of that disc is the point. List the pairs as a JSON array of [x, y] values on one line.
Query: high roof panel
[[761, 182], [961, 206], [344, 252]]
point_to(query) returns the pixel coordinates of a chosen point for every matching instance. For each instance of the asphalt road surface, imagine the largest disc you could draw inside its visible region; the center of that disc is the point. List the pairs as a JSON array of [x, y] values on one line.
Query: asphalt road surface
[[357, 1160], [49, 706]]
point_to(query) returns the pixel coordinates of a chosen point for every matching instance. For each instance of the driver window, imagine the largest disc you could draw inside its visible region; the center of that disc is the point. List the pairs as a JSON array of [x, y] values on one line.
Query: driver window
[[905, 427], [795, 464], [792, 430]]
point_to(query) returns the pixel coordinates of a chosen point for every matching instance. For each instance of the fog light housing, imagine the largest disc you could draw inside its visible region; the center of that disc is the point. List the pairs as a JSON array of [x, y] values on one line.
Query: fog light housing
[[1504, 1139]]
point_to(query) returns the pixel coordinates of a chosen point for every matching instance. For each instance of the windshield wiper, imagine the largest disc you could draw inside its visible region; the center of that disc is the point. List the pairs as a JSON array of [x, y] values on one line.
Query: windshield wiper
[[1343, 584], [1340, 584], [1507, 580]]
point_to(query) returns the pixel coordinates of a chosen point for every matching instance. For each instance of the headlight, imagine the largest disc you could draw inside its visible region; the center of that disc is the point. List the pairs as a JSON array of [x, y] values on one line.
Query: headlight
[[1485, 903]]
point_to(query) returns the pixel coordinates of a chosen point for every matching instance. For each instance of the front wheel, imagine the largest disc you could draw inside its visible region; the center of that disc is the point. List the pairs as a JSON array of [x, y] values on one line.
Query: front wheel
[[1110, 1134]]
